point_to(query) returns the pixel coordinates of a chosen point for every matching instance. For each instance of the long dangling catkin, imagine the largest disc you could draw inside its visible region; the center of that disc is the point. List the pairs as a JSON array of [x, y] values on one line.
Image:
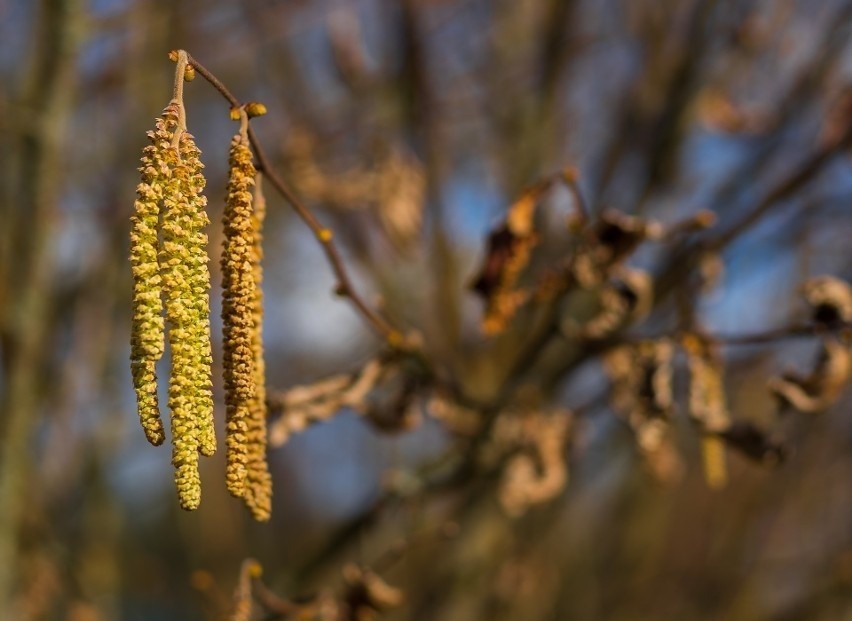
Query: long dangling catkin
[[200, 300], [259, 492], [186, 282], [147, 325], [238, 299]]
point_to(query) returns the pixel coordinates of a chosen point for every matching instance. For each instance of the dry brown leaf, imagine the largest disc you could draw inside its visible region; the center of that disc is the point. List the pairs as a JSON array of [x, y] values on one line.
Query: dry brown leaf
[[822, 387], [831, 302], [753, 443], [509, 249], [830, 298], [624, 300]]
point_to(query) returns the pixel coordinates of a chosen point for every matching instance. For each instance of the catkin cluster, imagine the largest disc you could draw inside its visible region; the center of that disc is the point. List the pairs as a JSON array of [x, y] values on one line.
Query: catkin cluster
[[247, 474], [171, 284], [169, 261]]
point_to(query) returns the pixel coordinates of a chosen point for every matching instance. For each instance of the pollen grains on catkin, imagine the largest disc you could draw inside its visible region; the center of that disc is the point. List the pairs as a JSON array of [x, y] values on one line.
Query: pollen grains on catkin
[[200, 296], [259, 491], [186, 283], [147, 328], [238, 321]]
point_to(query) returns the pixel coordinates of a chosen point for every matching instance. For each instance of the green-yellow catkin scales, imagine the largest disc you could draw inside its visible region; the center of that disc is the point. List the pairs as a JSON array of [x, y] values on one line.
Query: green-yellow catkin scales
[[200, 297], [147, 325], [714, 461], [238, 299], [259, 491], [186, 282], [170, 276]]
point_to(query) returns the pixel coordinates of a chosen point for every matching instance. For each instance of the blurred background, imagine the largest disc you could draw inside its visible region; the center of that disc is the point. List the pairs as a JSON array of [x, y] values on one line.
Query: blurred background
[[409, 126]]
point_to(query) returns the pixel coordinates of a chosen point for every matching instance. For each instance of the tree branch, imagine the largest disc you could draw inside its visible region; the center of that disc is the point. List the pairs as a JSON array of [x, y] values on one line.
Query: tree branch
[[323, 235]]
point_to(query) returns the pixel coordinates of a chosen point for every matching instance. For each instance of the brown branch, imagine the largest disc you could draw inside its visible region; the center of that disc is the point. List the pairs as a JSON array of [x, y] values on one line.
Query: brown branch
[[770, 336], [324, 236]]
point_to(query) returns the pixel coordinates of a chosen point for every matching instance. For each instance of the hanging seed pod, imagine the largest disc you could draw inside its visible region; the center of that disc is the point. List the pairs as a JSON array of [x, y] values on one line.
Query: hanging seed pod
[[147, 340], [238, 301]]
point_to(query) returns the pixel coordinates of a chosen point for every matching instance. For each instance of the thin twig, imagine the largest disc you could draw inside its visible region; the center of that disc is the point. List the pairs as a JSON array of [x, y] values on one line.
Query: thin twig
[[323, 235], [755, 338], [770, 336]]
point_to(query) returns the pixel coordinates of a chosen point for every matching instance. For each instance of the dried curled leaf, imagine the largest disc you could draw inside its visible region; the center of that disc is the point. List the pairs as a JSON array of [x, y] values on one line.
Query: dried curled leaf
[[831, 300], [641, 376], [822, 386], [619, 234], [509, 250], [753, 443], [536, 470], [624, 300], [616, 235]]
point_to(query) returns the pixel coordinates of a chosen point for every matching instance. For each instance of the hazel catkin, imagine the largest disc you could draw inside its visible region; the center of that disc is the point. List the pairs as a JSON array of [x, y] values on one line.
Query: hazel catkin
[[248, 474], [147, 340], [259, 491], [171, 296], [185, 282], [238, 299]]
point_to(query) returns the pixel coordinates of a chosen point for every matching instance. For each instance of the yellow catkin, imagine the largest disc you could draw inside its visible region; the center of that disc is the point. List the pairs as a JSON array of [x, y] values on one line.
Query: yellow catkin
[[200, 299], [147, 324], [714, 460], [186, 282], [238, 296], [259, 492]]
